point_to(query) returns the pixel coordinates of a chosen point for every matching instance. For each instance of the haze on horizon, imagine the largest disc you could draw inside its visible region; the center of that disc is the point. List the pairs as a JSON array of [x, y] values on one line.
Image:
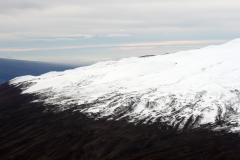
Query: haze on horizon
[[86, 31]]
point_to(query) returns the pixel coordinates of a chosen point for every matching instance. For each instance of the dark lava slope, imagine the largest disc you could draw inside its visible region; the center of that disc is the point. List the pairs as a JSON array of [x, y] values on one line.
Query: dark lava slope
[[29, 132]]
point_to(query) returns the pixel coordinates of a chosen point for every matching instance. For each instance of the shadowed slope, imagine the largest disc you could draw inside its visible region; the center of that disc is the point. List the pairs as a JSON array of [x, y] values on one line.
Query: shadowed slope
[[29, 132]]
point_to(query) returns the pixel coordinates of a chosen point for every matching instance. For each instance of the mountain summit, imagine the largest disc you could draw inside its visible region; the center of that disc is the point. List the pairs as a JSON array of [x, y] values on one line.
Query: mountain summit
[[194, 88]]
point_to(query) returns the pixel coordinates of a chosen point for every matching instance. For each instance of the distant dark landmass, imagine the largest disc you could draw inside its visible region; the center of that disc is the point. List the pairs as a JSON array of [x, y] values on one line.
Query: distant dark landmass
[[10, 68]]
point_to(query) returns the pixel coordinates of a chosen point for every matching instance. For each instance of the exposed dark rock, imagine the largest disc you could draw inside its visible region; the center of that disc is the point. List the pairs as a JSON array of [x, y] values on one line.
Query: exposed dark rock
[[29, 132], [144, 56]]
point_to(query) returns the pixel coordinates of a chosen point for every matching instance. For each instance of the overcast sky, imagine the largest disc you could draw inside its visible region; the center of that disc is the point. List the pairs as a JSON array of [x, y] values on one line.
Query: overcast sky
[[86, 31]]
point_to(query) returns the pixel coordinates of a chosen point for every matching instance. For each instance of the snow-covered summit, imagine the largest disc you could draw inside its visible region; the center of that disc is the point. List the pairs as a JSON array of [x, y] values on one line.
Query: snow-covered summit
[[202, 85]]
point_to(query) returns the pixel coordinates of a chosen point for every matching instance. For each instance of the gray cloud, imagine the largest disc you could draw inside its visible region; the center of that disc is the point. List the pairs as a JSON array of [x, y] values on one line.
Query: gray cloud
[[54, 20], [111, 16]]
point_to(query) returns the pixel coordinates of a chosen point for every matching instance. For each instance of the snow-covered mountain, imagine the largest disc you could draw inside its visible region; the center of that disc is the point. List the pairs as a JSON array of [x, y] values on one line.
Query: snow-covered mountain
[[176, 106], [184, 89]]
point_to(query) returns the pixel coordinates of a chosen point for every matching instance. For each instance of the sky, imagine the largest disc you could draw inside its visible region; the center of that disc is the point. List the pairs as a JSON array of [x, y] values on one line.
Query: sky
[[87, 31]]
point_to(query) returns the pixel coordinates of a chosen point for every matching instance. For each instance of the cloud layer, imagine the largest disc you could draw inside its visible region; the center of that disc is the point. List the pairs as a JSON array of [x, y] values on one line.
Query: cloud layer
[[28, 24]]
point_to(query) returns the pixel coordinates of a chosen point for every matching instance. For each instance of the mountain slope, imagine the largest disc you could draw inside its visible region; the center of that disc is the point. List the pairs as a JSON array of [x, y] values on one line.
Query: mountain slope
[[182, 106], [10, 68], [186, 89], [28, 132]]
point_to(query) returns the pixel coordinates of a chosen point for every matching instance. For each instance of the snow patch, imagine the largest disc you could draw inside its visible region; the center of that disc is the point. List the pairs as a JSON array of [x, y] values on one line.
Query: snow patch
[[200, 84]]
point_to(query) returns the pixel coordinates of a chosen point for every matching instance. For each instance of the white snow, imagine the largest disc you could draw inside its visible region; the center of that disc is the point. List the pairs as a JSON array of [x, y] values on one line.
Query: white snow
[[183, 84]]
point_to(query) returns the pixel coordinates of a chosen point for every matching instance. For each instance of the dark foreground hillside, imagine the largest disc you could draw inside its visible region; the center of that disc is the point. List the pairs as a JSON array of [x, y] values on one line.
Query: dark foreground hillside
[[27, 132]]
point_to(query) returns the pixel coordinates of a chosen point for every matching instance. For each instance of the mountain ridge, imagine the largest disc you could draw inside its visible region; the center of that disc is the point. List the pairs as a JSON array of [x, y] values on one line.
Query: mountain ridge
[[194, 88]]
